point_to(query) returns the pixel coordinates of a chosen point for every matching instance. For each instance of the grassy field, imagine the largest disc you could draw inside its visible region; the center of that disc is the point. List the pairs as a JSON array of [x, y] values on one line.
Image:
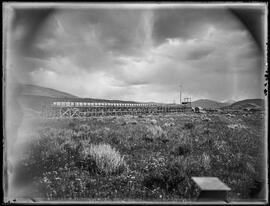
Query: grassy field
[[148, 158]]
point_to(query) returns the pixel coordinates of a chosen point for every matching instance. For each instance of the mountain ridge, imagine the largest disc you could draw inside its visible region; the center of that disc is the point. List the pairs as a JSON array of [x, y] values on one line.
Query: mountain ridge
[[208, 104], [35, 95]]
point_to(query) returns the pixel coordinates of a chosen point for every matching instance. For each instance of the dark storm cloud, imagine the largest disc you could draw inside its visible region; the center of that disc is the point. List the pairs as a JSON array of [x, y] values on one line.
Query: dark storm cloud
[[115, 29], [188, 23], [31, 21], [248, 53], [91, 38], [198, 54]]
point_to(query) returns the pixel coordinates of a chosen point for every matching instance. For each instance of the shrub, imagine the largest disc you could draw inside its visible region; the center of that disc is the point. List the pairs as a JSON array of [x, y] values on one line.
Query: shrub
[[165, 140], [115, 140], [52, 149], [155, 131], [84, 127], [170, 178], [106, 158], [64, 184], [181, 150], [71, 125], [189, 125], [147, 138]]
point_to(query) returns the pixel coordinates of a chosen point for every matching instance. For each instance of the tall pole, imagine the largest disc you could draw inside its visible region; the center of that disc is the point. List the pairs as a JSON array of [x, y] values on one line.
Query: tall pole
[[180, 94]]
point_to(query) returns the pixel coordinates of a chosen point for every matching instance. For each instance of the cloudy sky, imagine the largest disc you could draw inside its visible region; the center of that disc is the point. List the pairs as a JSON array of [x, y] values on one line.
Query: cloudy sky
[[140, 54]]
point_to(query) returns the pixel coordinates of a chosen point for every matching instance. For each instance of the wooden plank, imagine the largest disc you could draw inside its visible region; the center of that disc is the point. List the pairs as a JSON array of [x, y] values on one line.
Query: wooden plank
[[210, 183], [212, 189]]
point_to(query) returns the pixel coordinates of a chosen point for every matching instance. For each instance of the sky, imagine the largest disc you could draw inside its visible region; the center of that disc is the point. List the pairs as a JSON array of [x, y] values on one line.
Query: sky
[[138, 54]]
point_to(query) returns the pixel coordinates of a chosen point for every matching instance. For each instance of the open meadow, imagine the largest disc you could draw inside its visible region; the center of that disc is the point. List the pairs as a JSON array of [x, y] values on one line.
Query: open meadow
[[143, 158]]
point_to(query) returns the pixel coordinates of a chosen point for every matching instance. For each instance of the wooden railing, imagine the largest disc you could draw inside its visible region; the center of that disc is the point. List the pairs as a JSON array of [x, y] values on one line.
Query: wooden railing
[[83, 109]]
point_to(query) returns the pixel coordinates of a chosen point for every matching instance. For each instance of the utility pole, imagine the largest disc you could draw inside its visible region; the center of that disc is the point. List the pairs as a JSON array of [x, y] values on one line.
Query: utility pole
[[180, 94]]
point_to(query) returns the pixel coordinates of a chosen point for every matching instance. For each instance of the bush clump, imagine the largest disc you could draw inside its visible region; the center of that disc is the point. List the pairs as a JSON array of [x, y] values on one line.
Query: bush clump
[[107, 160], [189, 125], [155, 131], [181, 150], [170, 178]]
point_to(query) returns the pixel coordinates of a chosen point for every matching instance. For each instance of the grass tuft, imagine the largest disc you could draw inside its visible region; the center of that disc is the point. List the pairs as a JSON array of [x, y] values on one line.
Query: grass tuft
[[106, 159]]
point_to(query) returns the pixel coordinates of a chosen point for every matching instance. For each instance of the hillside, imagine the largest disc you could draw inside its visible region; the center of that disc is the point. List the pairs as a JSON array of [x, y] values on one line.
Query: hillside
[[33, 90], [38, 93], [32, 97], [208, 104], [229, 102], [247, 103]]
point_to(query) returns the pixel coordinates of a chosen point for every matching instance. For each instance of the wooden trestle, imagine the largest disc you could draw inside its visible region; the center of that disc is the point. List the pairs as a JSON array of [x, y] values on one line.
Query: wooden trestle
[[84, 109]]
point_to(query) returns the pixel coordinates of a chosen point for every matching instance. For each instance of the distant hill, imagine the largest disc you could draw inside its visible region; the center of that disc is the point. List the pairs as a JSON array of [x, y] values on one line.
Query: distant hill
[[42, 93], [32, 97], [208, 104], [247, 103], [33, 90], [229, 102]]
